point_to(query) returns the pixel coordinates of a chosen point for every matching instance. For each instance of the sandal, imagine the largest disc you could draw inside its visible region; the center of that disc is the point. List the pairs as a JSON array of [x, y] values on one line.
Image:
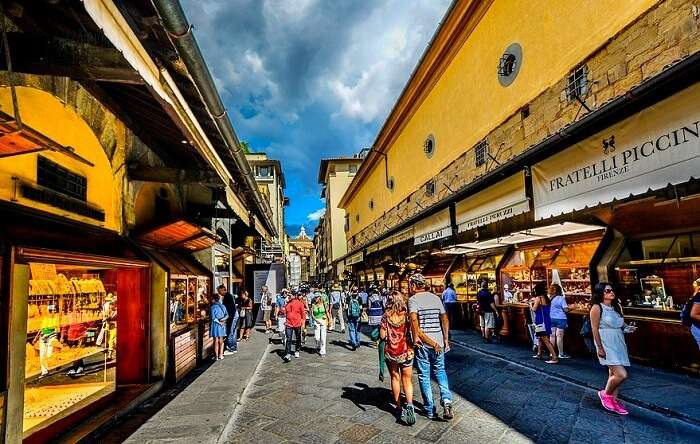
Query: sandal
[[552, 361], [537, 357]]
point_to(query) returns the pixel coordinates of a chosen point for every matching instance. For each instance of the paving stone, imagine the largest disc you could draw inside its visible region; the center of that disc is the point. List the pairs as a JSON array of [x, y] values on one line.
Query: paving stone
[[358, 433]]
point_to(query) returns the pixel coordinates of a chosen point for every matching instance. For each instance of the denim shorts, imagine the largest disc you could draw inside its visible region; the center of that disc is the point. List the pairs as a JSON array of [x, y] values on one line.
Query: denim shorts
[[559, 323]]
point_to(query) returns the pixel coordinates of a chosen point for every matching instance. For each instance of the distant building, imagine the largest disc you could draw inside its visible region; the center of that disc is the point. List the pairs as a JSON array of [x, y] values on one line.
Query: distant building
[[301, 259]]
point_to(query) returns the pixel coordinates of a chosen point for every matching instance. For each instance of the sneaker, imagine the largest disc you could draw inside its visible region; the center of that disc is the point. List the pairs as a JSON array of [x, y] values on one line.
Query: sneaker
[[619, 408], [228, 352], [433, 416], [564, 356], [287, 358], [606, 401], [408, 416], [448, 415], [296, 354]]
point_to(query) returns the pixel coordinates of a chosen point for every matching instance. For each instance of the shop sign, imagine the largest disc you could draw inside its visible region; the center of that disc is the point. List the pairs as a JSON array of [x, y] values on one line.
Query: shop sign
[[355, 258], [432, 228], [497, 202], [650, 150]]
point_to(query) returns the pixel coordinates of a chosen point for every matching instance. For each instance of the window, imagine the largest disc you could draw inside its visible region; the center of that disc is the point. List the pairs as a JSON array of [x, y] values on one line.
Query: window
[[264, 171], [56, 178], [430, 188], [509, 64], [352, 169], [429, 146], [577, 83], [525, 112], [347, 223], [371, 204], [481, 152], [331, 169], [357, 218], [391, 183]]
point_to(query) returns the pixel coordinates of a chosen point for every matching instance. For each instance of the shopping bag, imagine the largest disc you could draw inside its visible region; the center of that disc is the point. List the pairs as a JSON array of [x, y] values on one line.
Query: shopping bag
[[101, 337]]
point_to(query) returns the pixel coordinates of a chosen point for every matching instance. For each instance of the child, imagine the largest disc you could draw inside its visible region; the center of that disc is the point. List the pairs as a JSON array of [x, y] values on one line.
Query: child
[[217, 329], [394, 330]]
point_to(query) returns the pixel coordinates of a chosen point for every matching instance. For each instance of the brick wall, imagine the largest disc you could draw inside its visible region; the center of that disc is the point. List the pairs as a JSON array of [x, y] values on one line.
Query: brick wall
[[664, 35]]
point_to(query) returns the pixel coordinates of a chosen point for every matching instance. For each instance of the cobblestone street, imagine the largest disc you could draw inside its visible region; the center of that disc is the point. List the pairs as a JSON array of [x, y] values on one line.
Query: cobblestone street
[[339, 399]]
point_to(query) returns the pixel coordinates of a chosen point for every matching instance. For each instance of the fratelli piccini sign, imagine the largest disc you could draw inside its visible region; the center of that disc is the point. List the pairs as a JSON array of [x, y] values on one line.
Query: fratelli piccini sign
[[649, 150]]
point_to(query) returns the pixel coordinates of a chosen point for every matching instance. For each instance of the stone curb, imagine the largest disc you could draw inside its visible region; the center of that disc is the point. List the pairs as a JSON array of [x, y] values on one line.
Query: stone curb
[[639, 403], [226, 431]]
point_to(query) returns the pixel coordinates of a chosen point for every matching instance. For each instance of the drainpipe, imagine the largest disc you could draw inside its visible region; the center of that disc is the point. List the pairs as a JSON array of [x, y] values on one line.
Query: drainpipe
[[180, 31]]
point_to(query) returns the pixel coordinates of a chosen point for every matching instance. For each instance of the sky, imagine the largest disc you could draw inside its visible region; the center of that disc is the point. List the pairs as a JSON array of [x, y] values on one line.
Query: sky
[[309, 79]]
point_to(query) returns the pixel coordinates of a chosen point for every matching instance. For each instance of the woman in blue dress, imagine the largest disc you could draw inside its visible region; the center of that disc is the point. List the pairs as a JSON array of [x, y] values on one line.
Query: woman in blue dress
[[540, 305], [217, 329]]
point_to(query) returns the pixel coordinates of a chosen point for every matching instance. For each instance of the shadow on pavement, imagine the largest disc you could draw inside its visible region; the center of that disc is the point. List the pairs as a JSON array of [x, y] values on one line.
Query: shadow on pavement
[[363, 395]]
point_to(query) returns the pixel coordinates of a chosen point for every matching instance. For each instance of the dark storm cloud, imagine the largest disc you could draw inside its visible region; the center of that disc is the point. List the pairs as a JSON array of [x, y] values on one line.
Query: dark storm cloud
[[307, 79]]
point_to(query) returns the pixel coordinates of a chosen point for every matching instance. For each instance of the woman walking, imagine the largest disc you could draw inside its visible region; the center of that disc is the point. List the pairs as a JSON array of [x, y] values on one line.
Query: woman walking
[[320, 313], [540, 305], [394, 330], [607, 325], [217, 328], [245, 315], [558, 312]]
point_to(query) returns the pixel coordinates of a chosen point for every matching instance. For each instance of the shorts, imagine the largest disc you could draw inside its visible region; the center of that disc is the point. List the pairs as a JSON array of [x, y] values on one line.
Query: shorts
[[559, 323], [487, 320], [404, 360], [266, 315]]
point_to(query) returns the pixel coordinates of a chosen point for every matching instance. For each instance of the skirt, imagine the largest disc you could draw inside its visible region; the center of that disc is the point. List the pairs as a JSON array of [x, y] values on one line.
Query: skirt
[[246, 321]]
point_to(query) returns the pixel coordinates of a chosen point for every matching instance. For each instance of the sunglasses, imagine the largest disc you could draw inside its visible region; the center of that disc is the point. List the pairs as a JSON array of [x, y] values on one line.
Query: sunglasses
[[608, 291]]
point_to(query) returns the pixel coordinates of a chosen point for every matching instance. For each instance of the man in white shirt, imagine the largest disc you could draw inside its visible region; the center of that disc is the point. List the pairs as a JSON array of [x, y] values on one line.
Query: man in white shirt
[[431, 330], [336, 300]]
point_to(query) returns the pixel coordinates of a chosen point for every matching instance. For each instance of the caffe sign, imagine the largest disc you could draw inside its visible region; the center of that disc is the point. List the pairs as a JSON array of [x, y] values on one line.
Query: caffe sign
[[649, 150]]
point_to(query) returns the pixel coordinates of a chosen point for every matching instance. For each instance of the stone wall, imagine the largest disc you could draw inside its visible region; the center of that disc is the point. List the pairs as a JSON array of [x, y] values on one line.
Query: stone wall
[[664, 35]]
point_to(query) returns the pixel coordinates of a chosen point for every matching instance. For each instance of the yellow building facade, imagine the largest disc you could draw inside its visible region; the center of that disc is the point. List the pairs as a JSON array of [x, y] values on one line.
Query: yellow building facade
[[454, 96]]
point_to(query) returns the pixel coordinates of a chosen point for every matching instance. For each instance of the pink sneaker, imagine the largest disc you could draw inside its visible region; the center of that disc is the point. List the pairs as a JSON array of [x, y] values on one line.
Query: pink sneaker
[[618, 407], [607, 401]]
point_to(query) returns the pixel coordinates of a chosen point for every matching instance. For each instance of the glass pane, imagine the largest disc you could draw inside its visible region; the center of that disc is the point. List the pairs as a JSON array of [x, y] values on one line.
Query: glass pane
[[178, 300], [71, 341]]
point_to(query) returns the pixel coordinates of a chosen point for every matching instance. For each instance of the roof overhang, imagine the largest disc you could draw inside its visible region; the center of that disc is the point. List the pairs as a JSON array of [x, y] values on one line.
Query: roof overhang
[[179, 235]]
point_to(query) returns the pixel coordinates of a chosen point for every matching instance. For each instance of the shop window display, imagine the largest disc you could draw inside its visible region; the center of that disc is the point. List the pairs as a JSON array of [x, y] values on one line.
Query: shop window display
[[658, 273], [189, 299], [71, 340]]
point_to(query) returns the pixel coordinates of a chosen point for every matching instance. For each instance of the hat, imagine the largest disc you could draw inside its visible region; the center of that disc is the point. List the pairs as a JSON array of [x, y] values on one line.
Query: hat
[[336, 287], [505, 286], [417, 278]]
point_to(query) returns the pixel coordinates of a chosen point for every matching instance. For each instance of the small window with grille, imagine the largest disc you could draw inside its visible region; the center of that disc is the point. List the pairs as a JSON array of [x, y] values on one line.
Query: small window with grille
[[371, 204], [430, 188], [56, 178], [577, 83], [481, 152], [347, 223], [429, 146]]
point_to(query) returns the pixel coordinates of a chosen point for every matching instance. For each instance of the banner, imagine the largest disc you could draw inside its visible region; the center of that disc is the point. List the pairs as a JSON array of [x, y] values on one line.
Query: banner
[[432, 228], [497, 202]]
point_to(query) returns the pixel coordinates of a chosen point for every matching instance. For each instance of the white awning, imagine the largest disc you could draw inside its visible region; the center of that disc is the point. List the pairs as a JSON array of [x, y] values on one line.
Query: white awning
[[432, 228], [497, 202], [647, 151], [533, 234]]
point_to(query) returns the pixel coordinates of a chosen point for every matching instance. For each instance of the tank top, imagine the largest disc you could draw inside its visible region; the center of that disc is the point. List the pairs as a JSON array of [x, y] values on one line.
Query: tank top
[[319, 311]]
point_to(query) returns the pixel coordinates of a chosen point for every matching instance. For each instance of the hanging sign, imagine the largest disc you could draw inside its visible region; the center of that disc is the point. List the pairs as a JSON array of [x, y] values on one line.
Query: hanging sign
[[432, 228], [497, 202], [647, 151]]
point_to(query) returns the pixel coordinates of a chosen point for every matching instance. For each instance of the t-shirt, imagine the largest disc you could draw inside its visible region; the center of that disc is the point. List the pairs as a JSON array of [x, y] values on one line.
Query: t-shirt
[[557, 307], [363, 295], [336, 297], [295, 312], [429, 307], [484, 298], [449, 295], [230, 304], [266, 301], [280, 301], [696, 301]]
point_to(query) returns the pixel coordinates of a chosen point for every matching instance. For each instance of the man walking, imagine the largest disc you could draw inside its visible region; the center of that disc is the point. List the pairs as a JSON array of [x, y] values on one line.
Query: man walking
[[231, 322], [266, 305], [295, 312], [354, 304], [449, 298], [431, 329], [337, 311]]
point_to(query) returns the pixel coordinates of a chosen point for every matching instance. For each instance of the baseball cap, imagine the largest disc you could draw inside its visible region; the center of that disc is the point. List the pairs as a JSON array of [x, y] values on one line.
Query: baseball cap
[[417, 278]]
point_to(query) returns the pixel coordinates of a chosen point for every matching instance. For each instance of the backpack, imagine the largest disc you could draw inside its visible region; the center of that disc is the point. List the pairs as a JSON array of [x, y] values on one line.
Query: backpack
[[355, 308], [685, 314]]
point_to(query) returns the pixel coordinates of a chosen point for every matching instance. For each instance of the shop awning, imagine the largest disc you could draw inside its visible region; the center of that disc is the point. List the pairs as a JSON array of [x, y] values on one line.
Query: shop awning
[[179, 235], [178, 264], [497, 202], [647, 151], [432, 228], [533, 234]]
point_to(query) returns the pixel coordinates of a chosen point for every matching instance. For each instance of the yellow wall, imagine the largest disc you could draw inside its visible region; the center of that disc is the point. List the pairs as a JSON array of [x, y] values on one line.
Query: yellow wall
[[336, 185], [467, 102], [48, 115]]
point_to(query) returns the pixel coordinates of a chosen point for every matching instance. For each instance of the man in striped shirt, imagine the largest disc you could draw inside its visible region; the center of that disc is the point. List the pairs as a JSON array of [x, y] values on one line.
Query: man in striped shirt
[[431, 329]]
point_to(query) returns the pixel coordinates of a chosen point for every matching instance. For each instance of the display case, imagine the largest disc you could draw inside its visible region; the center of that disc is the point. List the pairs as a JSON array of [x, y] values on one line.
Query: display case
[[189, 299], [458, 277], [517, 274], [70, 355], [435, 272], [570, 268]]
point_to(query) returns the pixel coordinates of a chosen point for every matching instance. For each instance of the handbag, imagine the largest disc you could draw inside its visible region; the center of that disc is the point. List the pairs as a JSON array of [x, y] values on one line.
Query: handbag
[[540, 328]]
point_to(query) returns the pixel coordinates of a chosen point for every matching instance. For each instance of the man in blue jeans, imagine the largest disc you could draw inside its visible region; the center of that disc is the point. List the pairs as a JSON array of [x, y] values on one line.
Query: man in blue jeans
[[354, 304], [431, 327]]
